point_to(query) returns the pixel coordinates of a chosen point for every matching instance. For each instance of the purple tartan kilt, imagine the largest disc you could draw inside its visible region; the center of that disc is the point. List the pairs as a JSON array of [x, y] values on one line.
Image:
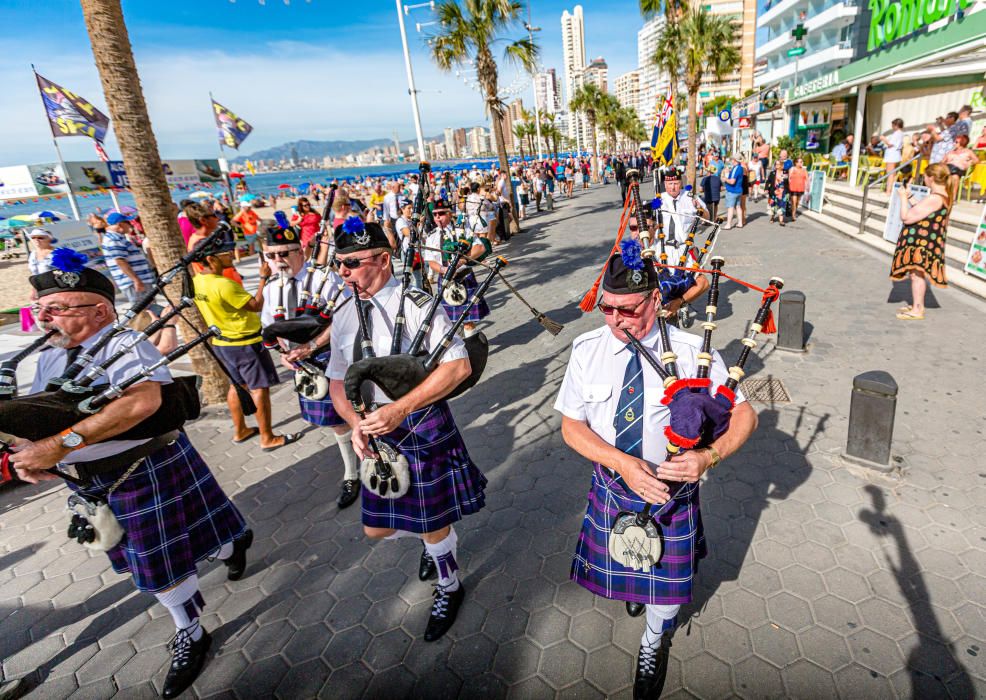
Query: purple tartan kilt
[[174, 514], [445, 484], [478, 312], [683, 539], [322, 412]]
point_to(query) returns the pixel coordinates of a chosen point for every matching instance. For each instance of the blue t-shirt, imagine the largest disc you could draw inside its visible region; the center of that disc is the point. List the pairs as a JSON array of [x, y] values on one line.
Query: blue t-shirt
[[116, 245], [735, 174]]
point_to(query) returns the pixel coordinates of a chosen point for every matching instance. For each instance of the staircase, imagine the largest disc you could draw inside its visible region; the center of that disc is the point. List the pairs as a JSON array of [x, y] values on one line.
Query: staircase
[[841, 212]]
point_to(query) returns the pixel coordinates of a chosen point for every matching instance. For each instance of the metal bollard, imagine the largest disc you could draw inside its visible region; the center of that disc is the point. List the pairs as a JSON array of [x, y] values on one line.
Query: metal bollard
[[791, 321], [871, 419]]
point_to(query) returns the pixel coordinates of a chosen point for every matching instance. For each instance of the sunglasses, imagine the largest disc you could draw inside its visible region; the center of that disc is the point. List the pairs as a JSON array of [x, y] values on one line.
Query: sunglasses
[[626, 312], [278, 254], [355, 263]]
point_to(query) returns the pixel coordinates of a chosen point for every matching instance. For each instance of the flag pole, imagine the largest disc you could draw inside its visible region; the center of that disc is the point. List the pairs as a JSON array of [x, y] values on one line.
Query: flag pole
[[61, 161]]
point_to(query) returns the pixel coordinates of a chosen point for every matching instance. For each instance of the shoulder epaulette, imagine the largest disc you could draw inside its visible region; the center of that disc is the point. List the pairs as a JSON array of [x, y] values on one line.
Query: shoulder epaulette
[[420, 297]]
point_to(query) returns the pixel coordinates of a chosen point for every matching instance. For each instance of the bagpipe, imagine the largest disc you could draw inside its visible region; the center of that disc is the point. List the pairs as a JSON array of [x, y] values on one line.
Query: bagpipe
[[698, 415], [8, 368]]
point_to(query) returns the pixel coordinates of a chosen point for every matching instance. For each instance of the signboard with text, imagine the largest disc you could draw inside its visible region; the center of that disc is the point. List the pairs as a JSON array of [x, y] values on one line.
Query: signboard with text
[[16, 182], [176, 172], [815, 196], [975, 263], [891, 230]]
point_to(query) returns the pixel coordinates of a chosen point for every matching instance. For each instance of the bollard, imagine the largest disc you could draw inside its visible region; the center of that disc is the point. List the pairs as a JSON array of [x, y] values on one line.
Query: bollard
[[871, 419], [791, 321]]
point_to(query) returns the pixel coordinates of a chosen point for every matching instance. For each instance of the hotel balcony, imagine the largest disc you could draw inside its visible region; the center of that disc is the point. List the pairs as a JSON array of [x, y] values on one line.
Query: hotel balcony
[[831, 57], [835, 17]]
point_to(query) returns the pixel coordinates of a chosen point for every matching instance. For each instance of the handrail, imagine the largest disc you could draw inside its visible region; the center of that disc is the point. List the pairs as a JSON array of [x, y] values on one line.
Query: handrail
[[866, 190]]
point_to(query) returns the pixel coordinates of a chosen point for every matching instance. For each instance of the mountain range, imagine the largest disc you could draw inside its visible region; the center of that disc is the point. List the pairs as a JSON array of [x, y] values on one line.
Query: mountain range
[[316, 150]]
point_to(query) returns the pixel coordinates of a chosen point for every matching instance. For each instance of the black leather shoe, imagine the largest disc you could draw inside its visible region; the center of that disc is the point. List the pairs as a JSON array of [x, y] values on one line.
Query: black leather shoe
[[236, 564], [443, 611], [426, 568], [348, 493], [635, 609], [187, 660], [652, 670]]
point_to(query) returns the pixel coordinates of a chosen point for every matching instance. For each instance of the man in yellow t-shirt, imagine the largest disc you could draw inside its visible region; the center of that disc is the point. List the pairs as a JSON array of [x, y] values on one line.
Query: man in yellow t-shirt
[[225, 304]]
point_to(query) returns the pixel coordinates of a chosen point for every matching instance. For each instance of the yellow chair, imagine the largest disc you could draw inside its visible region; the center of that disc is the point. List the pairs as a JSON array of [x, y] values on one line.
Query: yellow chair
[[976, 177], [870, 168], [834, 169], [821, 163]]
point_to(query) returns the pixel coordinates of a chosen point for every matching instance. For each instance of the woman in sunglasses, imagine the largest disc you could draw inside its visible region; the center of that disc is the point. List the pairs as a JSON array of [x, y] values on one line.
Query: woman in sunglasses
[[307, 220]]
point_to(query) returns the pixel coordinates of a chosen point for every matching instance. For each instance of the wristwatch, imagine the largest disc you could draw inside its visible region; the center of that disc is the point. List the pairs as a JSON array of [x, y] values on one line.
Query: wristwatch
[[71, 440], [714, 454]]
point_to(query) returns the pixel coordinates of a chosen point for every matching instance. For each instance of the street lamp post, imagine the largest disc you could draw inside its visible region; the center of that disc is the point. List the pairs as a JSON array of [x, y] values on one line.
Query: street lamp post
[[410, 82], [537, 106]]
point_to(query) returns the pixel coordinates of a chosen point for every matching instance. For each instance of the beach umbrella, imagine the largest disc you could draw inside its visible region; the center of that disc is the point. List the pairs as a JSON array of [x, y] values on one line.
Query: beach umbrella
[[249, 197], [45, 215], [200, 195], [284, 186], [304, 187], [237, 175], [13, 223]]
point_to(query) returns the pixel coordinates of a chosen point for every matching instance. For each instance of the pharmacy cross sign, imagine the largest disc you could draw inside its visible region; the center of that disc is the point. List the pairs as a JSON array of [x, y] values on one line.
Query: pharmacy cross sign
[[799, 32]]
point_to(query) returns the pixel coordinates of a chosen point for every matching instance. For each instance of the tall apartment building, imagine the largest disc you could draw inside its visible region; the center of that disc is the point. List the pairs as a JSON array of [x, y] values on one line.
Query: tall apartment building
[[573, 56], [459, 138], [479, 141], [450, 148], [626, 89], [547, 90], [652, 83], [743, 13], [596, 73]]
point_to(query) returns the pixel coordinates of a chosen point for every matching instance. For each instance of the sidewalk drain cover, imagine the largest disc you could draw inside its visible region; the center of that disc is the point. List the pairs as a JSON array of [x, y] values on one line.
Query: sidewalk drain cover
[[765, 390]]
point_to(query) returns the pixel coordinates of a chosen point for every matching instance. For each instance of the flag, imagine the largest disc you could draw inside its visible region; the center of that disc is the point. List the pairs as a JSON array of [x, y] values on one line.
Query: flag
[[664, 139], [69, 114], [253, 170], [232, 129], [101, 152]]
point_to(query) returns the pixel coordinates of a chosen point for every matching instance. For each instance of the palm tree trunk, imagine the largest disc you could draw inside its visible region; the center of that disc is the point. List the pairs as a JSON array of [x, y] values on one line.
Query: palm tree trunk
[[501, 152], [595, 149], [125, 99], [692, 135]]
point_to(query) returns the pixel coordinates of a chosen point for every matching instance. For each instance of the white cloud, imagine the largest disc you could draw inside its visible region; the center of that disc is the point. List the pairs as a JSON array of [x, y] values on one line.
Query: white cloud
[[286, 90]]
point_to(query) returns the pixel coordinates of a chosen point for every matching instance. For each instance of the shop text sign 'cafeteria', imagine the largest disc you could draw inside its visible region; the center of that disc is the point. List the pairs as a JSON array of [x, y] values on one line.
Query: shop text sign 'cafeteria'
[[894, 19]]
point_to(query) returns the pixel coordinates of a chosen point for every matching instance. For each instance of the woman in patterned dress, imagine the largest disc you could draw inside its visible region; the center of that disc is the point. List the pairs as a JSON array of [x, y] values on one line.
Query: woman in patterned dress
[[920, 252]]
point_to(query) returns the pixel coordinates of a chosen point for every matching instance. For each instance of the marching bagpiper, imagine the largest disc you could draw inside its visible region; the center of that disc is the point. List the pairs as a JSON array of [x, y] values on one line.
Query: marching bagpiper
[[288, 298], [443, 484], [444, 237], [614, 414]]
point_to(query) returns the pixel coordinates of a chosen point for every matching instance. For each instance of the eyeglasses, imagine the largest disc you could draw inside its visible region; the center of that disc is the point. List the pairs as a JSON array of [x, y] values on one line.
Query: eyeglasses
[[355, 263], [56, 309], [282, 254], [631, 312]]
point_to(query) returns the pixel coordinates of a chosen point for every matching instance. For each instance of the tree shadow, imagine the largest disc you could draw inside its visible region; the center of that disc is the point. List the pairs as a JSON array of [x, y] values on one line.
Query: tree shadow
[[900, 292], [738, 498], [933, 666]]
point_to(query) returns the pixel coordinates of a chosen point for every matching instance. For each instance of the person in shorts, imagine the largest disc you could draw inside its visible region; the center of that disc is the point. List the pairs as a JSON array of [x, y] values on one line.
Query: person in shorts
[[225, 304], [733, 182]]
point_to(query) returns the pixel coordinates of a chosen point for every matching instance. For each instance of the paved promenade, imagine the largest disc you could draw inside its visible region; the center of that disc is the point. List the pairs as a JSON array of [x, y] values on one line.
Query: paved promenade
[[823, 580]]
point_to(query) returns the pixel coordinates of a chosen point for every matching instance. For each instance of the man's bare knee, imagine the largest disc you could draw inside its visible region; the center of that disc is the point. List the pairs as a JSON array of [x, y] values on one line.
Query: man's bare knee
[[378, 533]]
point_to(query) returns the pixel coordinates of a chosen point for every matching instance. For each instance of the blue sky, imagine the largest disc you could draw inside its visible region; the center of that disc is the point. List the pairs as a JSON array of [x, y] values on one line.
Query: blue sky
[[323, 69]]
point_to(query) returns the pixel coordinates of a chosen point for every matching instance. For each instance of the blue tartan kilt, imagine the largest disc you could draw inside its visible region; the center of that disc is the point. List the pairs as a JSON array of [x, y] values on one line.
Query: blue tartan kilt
[[445, 483], [321, 412], [682, 537], [478, 312], [174, 514]]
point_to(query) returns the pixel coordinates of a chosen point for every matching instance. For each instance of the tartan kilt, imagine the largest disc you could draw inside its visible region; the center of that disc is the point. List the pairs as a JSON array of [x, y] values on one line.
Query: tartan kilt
[[445, 483], [682, 537], [321, 412], [478, 312], [174, 514]]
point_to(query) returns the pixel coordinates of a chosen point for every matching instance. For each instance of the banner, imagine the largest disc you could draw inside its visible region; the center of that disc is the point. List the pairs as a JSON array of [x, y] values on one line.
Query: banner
[[176, 172], [69, 114], [16, 182], [975, 263], [891, 230], [232, 129], [77, 236], [49, 178], [88, 175]]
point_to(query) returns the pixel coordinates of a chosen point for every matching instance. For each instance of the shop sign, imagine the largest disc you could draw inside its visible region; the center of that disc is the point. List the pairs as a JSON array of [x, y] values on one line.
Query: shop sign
[[744, 123], [894, 19], [975, 263], [823, 82], [813, 115]]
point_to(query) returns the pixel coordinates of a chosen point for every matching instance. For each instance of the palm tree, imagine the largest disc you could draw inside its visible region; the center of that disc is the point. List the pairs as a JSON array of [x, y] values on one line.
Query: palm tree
[[702, 44], [550, 132], [125, 99], [467, 33], [609, 116], [586, 100], [520, 131], [674, 11]]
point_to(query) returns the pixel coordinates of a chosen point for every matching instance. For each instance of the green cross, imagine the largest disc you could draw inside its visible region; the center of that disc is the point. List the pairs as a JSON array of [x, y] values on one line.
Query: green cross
[[799, 32]]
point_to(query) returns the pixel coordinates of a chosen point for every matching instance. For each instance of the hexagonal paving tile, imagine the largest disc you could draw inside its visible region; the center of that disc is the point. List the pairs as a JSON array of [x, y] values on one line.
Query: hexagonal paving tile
[[846, 584], [775, 644], [591, 630], [516, 660], [609, 669], [744, 607], [755, 678], [707, 677], [727, 641], [804, 679], [548, 626], [789, 611], [472, 656], [824, 648], [875, 651], [562, 664]]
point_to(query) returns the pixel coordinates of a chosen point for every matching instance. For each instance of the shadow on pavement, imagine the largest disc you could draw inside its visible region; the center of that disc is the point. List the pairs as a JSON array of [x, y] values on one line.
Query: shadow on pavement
[[900, 293], [933, 665]]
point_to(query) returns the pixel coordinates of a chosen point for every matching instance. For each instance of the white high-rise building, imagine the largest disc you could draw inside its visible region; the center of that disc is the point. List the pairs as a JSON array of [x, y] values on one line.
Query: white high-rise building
[[652, 82], [548, 96], [450, 148], [573, 55], [626, 89]]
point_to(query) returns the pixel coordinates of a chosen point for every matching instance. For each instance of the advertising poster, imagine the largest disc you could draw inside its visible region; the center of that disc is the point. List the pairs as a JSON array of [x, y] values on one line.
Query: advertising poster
[[816, 191], [49, 178], [975, 264], [814, 115], [118, 176], [88, 175], [176, 172], [209, 170], [77, 236], [16, 182], [891, 230]]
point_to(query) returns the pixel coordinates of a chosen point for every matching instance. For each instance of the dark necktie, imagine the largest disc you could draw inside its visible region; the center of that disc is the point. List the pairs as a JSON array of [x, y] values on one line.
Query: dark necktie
[[628, 420]]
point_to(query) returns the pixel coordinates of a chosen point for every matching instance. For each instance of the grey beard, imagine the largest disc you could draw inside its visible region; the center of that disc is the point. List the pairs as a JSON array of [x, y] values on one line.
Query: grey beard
[[59, 340]]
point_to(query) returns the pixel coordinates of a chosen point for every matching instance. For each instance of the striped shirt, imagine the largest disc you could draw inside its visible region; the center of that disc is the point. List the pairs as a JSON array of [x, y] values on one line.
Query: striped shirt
[[116, 245]]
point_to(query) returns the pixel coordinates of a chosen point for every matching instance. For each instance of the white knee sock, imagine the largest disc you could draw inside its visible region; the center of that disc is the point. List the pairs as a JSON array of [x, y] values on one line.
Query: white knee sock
[[185, 603], [224, 552], [444, 555], [660, 619], [349, 459], [469, 332]]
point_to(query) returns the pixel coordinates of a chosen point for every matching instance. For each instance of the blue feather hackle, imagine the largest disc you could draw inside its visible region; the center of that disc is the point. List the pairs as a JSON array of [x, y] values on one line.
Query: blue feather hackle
[[282, 219], [67, 260], [655, 203], [630, 252], [353, 225]]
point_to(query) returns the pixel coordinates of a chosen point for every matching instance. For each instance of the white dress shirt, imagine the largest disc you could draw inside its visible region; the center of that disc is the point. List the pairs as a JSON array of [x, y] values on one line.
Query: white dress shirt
[[678, 214], [272, 293], [382, 309], [52, 362], [591, 388]]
